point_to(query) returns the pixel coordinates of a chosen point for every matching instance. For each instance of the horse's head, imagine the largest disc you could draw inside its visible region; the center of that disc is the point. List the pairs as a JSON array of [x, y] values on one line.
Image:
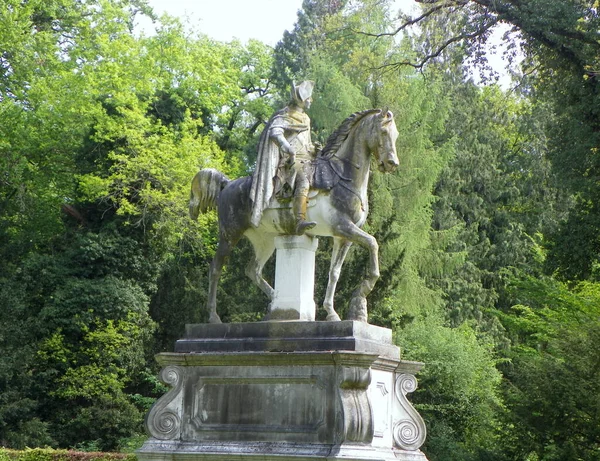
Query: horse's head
[[383, 141]]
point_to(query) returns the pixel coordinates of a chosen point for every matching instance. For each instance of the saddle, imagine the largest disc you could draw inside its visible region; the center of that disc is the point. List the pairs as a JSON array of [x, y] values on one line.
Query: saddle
[[323, 176], [286, 203], [326, 174]]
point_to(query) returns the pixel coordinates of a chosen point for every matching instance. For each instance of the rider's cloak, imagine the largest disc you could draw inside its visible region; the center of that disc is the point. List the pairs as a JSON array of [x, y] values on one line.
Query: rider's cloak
[[269, 174]]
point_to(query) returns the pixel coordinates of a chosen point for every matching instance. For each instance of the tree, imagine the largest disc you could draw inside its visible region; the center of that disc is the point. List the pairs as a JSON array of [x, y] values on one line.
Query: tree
[[558, 39], [459, 390], [551, 378], [46, 105], [93, 328], [498, 195], [102, 132], [293, 52]]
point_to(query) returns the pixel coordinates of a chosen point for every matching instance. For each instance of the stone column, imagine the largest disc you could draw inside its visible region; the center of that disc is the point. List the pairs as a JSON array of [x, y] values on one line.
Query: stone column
[[294, 278]]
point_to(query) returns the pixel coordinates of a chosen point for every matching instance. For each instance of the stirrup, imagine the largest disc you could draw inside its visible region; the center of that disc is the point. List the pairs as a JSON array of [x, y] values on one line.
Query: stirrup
[[303, 226]]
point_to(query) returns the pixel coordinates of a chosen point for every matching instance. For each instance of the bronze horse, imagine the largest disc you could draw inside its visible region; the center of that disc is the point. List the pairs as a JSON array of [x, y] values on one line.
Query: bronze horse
[[340, 208]]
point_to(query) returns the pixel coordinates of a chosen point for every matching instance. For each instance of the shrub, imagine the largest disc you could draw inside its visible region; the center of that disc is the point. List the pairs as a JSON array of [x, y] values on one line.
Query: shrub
[[49, 454]]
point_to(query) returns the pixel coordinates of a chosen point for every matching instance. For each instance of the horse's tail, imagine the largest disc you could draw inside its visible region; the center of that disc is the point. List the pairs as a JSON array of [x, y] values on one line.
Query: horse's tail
[[206, 187]]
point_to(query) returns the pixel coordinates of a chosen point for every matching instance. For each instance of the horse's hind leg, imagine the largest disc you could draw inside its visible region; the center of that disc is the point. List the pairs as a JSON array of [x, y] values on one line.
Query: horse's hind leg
[[264, 246], [338, 255], [216, 266]]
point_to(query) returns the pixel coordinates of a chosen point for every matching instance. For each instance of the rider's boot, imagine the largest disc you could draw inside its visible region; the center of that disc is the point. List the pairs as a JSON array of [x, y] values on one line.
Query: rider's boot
[[299, 206]]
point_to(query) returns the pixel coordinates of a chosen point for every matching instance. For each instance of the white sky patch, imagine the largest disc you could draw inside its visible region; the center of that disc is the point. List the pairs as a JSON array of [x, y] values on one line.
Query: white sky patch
[[266, 20], [226, 20]]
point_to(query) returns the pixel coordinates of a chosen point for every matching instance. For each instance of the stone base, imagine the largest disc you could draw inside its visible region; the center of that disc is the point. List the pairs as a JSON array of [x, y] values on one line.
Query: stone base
[[231, 451], [288, 337], [285, 391]]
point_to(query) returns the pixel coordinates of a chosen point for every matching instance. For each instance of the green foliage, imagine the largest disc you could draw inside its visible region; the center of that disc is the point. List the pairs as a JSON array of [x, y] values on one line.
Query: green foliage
[[101, 132], [336, 97], [494, 195], [293, 52], [458, 394], [86, 332], [552, 379], [49, 454], [509, 209], [558, 40]]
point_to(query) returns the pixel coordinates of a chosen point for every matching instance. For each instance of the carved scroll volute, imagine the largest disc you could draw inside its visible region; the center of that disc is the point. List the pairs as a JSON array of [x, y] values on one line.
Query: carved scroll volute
[[409, 430], [356, 407], [163, 421]]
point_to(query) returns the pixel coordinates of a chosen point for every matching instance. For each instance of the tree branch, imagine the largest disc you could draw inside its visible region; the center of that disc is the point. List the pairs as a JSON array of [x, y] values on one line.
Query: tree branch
[[413, 21], [441, 48], [511, 11]]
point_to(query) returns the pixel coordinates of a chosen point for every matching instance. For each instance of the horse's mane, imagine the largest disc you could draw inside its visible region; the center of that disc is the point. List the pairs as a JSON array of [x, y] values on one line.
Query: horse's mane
[[336, 138]]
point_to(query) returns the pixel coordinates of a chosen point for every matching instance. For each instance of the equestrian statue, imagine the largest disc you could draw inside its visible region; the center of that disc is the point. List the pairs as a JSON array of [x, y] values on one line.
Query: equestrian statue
[[297, 189]]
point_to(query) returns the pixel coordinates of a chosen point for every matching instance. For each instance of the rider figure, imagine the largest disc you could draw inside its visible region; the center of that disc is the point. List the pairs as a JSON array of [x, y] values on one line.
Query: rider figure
[[284, 157]]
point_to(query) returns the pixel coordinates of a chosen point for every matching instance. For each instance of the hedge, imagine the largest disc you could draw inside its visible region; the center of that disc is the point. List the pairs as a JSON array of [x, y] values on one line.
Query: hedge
[[49, 454]]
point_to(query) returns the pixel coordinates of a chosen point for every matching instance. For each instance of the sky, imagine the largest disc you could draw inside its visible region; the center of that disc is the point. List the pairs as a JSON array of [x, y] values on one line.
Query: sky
[[224, 20], [264, 20]]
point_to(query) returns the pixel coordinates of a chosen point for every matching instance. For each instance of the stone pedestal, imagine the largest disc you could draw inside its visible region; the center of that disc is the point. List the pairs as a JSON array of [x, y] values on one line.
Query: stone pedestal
[[282, 391], [294, 278]]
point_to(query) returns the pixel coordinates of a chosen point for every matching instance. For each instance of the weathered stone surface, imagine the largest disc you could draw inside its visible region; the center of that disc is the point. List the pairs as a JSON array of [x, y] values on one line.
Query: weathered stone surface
[[260, 451], [294, 278], [230, 404], [286, 159], [289, 337]]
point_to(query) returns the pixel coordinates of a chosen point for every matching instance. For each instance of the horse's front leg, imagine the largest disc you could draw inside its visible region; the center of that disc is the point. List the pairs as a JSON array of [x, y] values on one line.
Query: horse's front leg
[[216, 267], [358, 303], [338, 255]]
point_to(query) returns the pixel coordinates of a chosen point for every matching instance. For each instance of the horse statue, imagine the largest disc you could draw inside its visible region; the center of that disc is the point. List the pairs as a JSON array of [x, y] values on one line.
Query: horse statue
[[340, 208]]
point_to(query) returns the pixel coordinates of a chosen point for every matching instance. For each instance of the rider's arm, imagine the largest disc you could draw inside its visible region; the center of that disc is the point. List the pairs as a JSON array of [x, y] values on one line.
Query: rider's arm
[[276, 135]]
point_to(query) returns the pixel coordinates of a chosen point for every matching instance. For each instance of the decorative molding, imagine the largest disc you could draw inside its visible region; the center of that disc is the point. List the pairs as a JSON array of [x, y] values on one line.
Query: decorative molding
[[355, 405], [164, 419], [355, 378], [382, 388], [381, 395], [409, 429]]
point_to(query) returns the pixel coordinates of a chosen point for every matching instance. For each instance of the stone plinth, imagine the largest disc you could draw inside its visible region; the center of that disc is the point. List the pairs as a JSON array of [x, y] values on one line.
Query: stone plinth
[[289, 337], [285, 391], [294, 278]]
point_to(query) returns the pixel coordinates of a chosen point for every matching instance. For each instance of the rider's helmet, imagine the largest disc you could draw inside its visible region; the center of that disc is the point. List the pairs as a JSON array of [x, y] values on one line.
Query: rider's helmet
[[303, 91]]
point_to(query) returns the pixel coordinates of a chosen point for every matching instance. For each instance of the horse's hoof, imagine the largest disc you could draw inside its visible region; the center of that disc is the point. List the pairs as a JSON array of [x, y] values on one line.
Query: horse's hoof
[[214, 318], [333, 317], [358, 309]]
